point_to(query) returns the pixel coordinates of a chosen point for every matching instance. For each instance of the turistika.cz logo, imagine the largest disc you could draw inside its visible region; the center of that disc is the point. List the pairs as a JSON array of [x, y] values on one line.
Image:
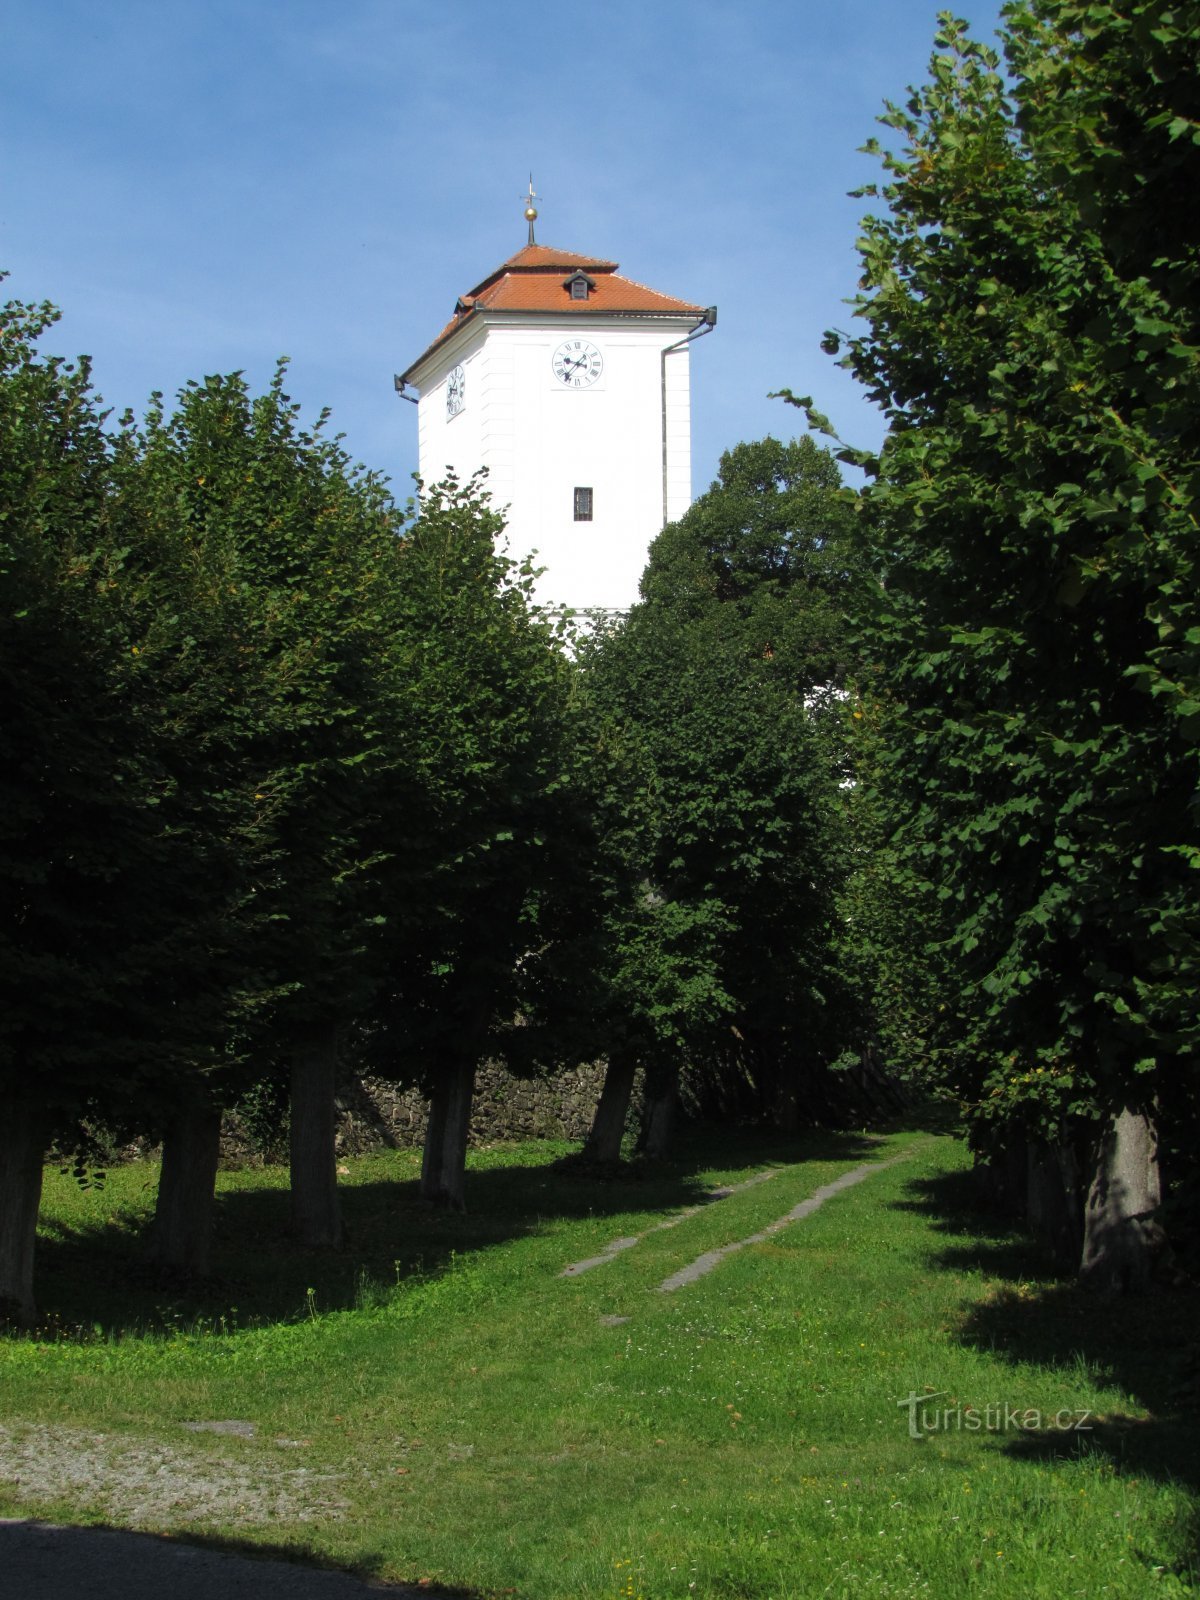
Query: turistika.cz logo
[[1001, 1416]]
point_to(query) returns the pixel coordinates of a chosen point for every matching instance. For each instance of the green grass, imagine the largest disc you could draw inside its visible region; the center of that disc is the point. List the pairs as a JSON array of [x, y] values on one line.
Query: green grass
[[738, 1438]]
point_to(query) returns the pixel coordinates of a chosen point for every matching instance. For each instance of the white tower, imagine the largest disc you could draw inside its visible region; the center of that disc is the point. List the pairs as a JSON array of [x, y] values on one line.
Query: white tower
[[570, 385]]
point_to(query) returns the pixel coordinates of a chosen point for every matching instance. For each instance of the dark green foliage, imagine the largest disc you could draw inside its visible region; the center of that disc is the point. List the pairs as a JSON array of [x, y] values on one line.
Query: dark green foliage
[[207, 679], [573, 991], [472, 853], [277, 774], [770, 542], [261, 1117], [725, 678], [1031, 333], [265, 623], [85, 947]]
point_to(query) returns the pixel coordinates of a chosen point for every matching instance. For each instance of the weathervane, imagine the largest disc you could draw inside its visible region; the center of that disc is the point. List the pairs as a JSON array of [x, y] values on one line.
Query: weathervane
[[530, 208]]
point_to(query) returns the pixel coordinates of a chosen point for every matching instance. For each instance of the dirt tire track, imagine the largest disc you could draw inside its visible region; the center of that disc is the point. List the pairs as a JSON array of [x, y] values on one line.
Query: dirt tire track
[[612, 1250], [712, 1258]]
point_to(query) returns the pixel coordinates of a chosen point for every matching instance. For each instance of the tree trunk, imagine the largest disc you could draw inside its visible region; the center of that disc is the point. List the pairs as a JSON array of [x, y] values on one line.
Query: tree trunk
[[316, 1213], [661, 1112], [1123, 1240], [444, 1164], [1002, 1169], [182, 1234], [608, 1125], [786, 1109], [22, 1148], [1054, 1199]]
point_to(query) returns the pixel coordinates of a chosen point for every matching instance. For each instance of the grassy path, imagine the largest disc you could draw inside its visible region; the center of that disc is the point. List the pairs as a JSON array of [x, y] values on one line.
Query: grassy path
[[713, 1258], [615, 1246], [494, 1425]]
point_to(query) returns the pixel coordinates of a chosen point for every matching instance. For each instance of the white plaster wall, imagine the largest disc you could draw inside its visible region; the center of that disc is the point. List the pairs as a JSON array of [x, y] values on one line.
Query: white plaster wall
[[451, 444], [539, 441]]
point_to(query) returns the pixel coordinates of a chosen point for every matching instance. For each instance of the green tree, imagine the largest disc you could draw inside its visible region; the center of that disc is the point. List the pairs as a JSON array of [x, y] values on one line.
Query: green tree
[[266, 677], [487, 694], [771, 542], [88, 953], [646, 986], [1031, 335], [721, 958], [572, 997]]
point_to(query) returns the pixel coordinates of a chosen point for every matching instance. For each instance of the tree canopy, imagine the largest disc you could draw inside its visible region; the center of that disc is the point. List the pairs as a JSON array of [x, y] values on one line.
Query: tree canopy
[[725, 674], [1030, 332]]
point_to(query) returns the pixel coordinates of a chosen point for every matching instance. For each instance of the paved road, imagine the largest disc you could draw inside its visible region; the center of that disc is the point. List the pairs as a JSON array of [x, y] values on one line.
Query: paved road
[[39, 1561]]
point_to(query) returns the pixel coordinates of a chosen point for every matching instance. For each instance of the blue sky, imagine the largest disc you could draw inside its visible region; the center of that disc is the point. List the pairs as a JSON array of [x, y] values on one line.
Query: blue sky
[[203, 185]]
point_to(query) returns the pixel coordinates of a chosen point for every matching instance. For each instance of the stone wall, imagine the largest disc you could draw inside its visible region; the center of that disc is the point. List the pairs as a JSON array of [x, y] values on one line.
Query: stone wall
[[374, 1114]]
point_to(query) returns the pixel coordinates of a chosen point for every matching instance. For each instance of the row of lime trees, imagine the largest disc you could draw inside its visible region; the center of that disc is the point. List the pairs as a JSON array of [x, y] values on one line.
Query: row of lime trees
[[901, 778]]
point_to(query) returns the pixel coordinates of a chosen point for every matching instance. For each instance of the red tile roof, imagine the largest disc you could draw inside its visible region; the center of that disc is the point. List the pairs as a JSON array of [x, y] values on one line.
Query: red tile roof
[[541, 258], [534, 280]]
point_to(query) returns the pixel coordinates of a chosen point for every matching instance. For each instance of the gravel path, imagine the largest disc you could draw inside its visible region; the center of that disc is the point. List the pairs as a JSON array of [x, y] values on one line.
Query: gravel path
[[148, 1483]]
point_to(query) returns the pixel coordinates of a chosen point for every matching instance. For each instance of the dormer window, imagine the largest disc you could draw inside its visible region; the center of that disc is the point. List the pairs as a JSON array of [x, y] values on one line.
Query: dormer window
[[579, 286]]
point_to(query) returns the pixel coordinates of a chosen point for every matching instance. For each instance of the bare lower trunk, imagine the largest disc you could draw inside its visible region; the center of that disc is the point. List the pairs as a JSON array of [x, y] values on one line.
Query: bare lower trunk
[[786, 1109], [1123, 1240], [1054, 1188], [444, 1165], [316, 1213], [612, 1112], [22, 1147], [181, 1238], [1002, 1169], [661, 1112]]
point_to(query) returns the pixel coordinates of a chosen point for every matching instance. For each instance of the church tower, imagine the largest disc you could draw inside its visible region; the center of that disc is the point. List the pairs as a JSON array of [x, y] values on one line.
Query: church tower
[[570, 384]]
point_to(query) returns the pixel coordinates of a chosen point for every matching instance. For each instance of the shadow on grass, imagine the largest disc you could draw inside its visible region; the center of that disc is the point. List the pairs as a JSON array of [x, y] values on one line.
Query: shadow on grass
[[43, 1561], [92, 1280], [1146, 1346]]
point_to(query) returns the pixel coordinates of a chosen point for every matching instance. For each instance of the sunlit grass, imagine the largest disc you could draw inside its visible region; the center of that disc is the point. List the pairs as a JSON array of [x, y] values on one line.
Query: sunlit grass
[[492, 1427]]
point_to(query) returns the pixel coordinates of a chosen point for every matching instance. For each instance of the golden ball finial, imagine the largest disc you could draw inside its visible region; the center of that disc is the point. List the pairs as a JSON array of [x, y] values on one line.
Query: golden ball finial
[[530, 208]]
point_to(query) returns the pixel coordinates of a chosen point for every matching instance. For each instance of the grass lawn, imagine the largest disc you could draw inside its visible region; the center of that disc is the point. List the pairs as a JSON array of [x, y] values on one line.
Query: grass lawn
[[441, 1404]]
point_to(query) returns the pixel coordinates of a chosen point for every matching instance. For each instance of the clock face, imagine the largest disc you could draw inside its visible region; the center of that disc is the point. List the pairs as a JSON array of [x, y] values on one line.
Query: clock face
[[456, 392], [577, 363]]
